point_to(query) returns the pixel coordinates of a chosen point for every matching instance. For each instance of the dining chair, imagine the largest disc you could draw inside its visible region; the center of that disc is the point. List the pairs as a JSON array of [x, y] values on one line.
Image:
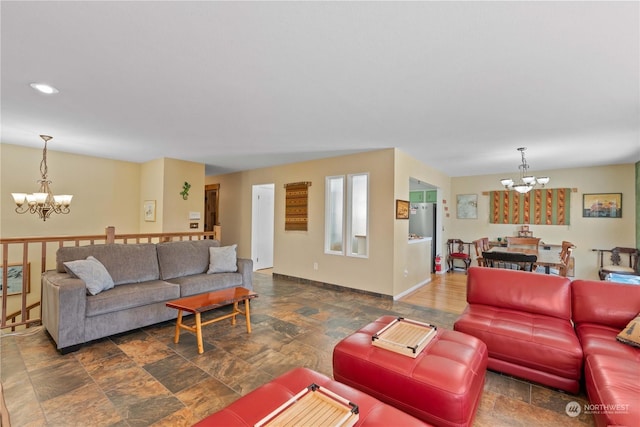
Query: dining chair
[[565, 258], [481, 245], [510, 260], [621, 261], [460, 251], [523, 242]]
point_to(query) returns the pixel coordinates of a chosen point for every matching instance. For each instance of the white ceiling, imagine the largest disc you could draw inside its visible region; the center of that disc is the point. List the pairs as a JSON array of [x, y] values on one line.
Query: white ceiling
[[241, 85]]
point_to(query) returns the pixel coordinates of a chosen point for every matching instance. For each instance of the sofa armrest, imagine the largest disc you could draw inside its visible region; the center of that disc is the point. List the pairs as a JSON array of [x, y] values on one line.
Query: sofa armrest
[[245, 267], [64, 301]]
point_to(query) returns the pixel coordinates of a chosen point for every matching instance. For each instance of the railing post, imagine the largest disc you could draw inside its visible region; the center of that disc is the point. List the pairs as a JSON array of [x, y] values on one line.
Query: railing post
[[110, 232]]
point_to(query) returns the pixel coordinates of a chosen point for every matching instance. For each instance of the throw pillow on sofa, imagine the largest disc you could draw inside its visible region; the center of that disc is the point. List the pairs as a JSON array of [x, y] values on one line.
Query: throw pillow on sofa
[[223, 259], [631, 334], [92, 272]]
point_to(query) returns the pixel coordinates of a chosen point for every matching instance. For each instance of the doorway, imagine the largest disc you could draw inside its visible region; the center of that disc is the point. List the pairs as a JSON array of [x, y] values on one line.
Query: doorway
[[211, 206], [424, 217], [262, 227]]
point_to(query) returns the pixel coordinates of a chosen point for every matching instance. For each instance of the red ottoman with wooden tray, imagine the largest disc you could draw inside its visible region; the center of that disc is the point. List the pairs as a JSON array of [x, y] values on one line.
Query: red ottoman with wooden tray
[[285, 397], [439, 381]]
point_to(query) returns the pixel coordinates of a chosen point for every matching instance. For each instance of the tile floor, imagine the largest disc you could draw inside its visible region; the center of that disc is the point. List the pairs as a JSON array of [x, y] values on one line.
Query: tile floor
[[142, 378]]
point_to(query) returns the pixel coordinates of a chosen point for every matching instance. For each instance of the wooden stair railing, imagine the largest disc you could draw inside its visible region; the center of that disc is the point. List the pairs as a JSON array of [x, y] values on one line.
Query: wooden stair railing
[[28, 322], [19, 247]]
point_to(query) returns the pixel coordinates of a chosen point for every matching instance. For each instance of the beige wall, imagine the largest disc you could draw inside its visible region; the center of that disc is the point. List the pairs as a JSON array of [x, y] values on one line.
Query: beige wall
[[585, 233], [389, 268], [151, 174], [295, 252], [175, 208], [105, 192], [162, 181], [407, 167]]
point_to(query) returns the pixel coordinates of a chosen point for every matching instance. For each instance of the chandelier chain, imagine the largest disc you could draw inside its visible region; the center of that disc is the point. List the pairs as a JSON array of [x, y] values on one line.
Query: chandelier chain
[[44, 170]]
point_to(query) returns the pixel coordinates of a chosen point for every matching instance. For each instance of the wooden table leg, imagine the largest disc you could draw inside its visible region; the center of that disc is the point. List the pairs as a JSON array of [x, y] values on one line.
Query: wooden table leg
[[176, 337], [199, 333], [235, 312], [247, 315]]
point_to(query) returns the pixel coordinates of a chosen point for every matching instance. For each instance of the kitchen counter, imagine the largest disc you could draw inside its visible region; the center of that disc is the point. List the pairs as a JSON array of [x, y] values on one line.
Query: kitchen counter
[[413, 240]]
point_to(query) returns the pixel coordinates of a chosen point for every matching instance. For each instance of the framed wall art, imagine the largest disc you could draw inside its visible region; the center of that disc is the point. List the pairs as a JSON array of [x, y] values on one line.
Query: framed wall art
[[14, 279], [602, 205], [467, 206], [402, 209], [149, 209]]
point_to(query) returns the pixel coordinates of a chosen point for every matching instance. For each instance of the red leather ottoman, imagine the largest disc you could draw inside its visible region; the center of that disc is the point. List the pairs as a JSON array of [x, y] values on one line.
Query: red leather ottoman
[[442, 385], [251, 408]]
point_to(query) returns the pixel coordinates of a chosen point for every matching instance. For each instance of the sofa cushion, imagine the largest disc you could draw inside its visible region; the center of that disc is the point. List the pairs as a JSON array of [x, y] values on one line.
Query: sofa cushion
[[631, 333], [200, 283], [126, 263], [613, 389], [130, 296], [520, 291], [601, 339], [223, 260], [622, 303], [92, 272], [184, 258], [539, 343]]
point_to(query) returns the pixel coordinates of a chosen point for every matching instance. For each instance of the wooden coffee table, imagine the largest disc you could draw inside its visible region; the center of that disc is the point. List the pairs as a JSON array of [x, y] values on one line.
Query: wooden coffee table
[[201, 303]]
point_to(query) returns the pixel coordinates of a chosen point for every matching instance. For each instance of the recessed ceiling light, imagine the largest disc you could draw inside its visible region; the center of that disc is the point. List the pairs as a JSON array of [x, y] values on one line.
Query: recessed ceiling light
[[44, 88]]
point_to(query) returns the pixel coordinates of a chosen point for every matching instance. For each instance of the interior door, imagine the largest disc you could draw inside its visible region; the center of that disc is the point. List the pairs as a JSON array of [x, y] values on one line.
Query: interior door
[[262, 227], [211, 206]]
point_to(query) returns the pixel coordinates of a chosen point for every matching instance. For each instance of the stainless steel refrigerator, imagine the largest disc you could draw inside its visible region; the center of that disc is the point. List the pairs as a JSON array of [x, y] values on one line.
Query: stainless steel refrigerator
[[422, 222]]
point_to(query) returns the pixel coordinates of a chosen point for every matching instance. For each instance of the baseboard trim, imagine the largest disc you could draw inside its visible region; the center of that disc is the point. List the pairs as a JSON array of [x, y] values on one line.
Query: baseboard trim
[[329, 285], [411, 289]]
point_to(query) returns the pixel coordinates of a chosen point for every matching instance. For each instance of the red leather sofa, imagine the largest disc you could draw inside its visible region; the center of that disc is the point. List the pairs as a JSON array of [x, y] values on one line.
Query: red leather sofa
[[524, 319], [254, 406], [611, 369], [547, 329]]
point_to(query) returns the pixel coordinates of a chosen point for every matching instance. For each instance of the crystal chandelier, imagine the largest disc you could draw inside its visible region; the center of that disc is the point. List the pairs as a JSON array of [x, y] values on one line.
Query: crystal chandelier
[[43, 203], [527, 182]]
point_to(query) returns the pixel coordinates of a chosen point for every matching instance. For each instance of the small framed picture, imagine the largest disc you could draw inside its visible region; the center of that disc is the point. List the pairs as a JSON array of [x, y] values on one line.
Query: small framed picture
[[467, 206], [15, 275], [149, 208], [602, 205], [402, 209]]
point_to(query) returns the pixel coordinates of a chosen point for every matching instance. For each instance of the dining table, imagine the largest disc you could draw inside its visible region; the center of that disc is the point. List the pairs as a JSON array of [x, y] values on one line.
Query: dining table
[[547, 258]]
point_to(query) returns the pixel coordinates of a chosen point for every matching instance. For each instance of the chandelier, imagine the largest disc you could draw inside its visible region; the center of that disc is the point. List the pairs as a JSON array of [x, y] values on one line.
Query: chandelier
[[43, 203], [527, 182]]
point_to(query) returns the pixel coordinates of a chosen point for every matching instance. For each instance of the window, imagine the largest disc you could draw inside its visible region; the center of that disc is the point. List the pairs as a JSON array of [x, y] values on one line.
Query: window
[[334, 213], [346, 215]]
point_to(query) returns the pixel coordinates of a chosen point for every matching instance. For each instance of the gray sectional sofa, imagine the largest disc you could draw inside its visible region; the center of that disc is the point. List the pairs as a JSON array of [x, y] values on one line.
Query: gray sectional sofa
[[145, 276]]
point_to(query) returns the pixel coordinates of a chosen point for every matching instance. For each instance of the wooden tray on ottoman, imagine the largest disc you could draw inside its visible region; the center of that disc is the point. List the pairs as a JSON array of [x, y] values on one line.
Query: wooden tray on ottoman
[[404, 336], [313, 406]]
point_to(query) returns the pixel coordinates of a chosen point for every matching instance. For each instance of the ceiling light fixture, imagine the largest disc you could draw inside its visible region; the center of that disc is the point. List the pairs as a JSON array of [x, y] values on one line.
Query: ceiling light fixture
[[527, 182], [43, 203], [44, 88]]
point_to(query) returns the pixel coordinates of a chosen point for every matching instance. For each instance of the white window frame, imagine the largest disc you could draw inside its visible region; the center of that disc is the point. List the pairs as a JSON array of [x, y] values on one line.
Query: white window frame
[[347, 238], [328, 215]]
